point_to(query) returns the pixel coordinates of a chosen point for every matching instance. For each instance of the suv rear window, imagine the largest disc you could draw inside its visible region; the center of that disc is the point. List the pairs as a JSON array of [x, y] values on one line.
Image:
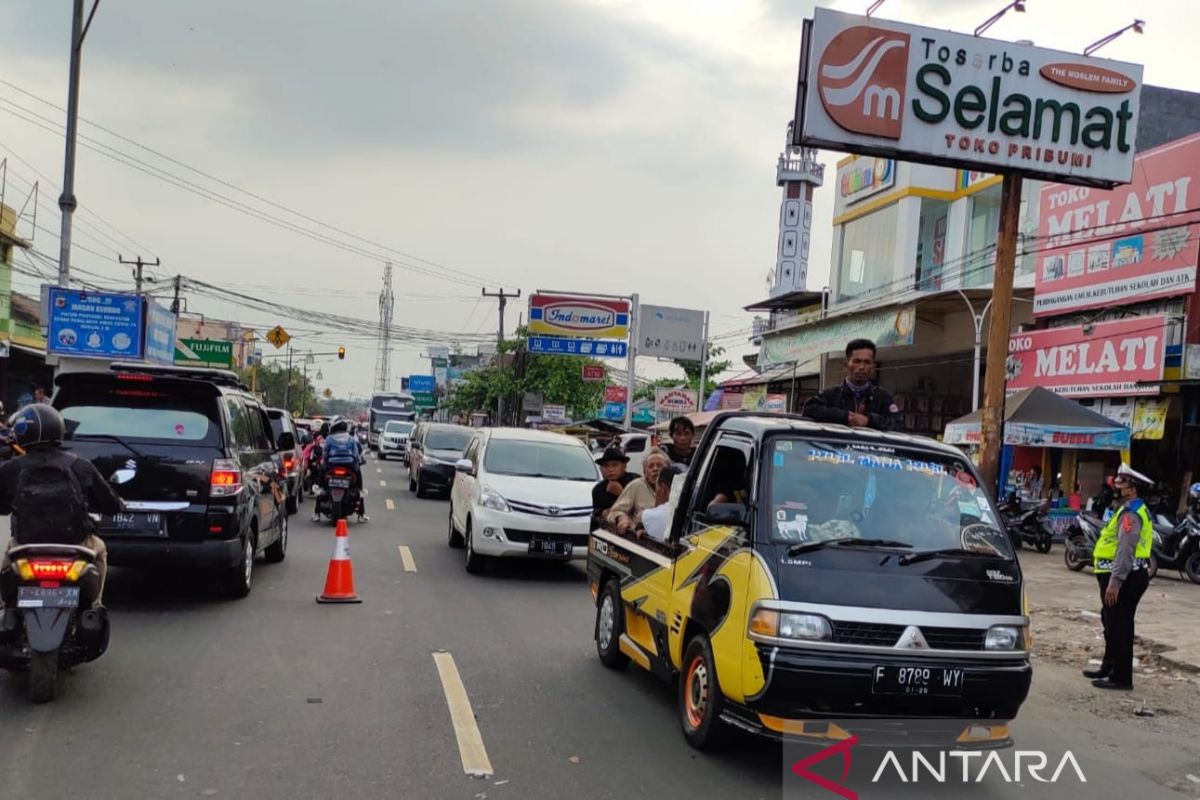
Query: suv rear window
[[151, 415]]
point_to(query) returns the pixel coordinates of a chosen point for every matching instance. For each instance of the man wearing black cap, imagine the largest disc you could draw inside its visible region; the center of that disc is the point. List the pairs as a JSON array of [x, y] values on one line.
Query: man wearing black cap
[[613, 481]]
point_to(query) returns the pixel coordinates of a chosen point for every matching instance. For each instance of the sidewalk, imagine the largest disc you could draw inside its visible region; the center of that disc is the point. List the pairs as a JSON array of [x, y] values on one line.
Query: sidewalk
[[1065, 611]]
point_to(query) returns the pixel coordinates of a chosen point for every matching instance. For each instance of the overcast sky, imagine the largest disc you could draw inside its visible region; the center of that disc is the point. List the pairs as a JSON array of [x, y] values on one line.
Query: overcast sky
[[612, 146]]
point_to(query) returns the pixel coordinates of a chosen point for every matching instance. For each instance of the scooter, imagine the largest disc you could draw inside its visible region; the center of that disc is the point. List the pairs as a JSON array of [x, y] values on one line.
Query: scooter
[[49, 622], [1028, 526], [340, 494], [1081, 541], [1178, 547]]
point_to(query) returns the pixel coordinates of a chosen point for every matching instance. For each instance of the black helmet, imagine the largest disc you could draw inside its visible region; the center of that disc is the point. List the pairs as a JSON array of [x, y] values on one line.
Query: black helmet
[[37, 423], [339, 425]]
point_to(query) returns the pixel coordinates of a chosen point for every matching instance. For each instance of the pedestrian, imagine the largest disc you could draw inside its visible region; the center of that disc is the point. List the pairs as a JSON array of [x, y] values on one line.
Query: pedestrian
[[40, 396], [857, 401], [639, 495], [683, 436], [614, 478], [1120, 562]]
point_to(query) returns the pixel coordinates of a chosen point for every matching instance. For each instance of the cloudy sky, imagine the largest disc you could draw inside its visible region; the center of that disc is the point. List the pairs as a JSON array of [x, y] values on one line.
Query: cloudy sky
[[612, 146]]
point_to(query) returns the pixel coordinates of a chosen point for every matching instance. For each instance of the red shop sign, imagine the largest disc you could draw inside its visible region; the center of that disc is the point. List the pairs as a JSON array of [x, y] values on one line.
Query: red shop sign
[[1111, 359]]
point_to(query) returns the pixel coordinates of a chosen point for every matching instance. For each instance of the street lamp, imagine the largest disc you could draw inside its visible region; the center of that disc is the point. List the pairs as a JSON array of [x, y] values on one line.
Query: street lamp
[[1015, 5], [66, 201], [871, 10], [1135, 26]]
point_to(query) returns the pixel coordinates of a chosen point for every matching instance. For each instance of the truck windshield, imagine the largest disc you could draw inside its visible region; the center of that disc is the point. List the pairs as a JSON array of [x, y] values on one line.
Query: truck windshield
[[826, 491]]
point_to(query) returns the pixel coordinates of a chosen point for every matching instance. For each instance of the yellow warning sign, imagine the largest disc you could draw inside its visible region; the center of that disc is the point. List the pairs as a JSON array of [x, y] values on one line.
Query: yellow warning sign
[[278, 336]]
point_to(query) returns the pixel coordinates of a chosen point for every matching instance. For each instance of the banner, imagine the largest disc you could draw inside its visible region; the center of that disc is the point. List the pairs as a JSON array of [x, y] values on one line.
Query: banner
[[1101, 248], [675, 401], [754, 399], [554, 413], [160, 335], [616, 394], [1150, 418], [671, 333], [1033, 435], [578, 316], [95, 324], [931, 96], [887, 327], [1108, 358]]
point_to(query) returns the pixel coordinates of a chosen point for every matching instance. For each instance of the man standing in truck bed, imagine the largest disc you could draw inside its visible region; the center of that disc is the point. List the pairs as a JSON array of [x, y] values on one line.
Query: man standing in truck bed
[[857, 401]]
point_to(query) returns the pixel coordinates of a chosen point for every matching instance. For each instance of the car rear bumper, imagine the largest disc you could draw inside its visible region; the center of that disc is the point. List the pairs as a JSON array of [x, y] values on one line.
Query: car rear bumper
[[511, 533], [437, 476], [141, 552]]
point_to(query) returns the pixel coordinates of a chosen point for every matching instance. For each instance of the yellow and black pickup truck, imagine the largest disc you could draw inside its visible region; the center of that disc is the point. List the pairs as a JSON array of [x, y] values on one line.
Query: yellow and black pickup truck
[[822, 582]]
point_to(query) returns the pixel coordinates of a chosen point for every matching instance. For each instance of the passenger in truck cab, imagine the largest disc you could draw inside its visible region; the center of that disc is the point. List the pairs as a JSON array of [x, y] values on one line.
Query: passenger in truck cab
[[639, 495]]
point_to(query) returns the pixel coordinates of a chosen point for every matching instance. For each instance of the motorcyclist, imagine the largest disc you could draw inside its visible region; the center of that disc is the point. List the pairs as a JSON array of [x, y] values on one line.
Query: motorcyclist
[[342, 449], [49, 492]]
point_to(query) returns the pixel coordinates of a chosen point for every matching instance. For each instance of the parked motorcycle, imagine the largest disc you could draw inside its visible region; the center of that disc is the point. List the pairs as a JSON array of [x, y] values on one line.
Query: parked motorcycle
[[1027, 526], [1081, 541], [49, 622], [340, 493], [1178, 547]]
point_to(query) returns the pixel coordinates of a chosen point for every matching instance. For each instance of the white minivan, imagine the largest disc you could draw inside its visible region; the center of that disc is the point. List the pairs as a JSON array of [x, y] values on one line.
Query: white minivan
[[522, 492]]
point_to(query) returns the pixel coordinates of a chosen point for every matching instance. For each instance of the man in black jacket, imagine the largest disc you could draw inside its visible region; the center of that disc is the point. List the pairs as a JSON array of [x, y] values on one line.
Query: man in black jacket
[[857, 401]]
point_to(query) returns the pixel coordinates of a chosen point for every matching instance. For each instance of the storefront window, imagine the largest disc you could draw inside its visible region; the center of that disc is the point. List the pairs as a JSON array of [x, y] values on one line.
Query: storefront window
[[982, 228], [865, 263], [931, 246]]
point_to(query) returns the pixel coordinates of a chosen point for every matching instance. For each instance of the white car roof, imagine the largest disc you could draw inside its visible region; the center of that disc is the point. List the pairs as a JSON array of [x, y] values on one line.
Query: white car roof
[[531, 435]]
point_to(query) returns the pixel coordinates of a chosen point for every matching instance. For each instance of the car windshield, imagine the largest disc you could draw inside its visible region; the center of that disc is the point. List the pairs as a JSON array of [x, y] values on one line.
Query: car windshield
[[447, 439], [826, 491], [540, 459], [185, 419], [399, 427]]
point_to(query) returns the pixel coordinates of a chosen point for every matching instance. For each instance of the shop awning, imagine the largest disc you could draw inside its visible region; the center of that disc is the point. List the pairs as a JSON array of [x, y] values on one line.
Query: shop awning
[[1037, 417]]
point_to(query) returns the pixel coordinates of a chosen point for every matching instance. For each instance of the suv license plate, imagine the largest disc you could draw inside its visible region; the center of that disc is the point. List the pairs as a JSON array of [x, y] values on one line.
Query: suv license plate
[[145, 524], [339, 483], [550, 547], [37, 597], [919, 681]]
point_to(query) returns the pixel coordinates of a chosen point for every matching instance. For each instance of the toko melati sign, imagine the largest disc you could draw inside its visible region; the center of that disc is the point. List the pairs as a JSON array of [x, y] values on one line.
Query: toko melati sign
[[920, 94]]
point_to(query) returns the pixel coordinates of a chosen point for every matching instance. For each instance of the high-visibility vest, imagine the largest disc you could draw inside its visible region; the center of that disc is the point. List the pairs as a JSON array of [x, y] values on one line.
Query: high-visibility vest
[[1105, 552]]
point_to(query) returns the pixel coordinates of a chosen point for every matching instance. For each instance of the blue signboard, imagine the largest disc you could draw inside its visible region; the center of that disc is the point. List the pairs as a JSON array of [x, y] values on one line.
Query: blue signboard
[[613, 411], [160, 334], [95, 324], [601, 348], [420, 384]]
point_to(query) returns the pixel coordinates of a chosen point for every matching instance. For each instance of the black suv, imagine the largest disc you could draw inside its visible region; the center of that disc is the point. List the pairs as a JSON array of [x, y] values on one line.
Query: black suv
[[190, 450], [292, 459]]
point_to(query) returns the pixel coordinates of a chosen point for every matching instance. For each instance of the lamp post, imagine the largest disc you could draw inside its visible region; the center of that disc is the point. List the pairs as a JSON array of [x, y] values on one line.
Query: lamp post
[[66, 201], [977, 318], [1015, 5], [1135, 26]]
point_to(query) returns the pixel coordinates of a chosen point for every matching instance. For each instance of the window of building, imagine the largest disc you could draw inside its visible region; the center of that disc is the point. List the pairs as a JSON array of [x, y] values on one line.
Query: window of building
[[865, 259], [982, 228], [931, 245]]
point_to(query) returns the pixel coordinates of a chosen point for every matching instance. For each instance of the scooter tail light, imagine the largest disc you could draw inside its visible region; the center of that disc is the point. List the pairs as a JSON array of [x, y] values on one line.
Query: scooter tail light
[[38, 569], [226, 479], [341, 472]]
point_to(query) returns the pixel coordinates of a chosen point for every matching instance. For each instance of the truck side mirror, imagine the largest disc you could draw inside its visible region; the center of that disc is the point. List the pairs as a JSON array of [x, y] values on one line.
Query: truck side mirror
[[734, 514]]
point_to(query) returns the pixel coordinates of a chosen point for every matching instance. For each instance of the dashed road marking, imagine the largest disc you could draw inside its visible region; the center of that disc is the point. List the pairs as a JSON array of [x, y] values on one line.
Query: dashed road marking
[[474, 756], [390, 505], [383, 483], [407, 559], [379, 469]]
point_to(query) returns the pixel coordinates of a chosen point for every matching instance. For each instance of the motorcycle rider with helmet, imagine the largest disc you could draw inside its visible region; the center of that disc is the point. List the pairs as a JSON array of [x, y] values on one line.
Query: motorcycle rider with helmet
[[49, 492], [341, 448]]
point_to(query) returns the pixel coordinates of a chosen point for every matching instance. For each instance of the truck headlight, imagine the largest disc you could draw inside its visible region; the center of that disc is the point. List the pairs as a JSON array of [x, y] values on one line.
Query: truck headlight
[[1003, 637], [787, 625], [490, 498]]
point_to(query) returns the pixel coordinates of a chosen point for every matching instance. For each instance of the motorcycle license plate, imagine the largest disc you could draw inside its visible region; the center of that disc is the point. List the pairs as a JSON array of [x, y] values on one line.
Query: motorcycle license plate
[[550, 547], [339, 483], [143, 524], [919, 681], [37, 597]]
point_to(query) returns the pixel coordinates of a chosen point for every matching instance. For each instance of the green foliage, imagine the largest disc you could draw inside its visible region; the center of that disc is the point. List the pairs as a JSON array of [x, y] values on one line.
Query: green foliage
[[271, 382]]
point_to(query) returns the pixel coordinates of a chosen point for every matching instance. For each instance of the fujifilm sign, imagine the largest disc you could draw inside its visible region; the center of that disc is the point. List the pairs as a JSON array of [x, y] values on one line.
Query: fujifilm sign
[[920, 94]]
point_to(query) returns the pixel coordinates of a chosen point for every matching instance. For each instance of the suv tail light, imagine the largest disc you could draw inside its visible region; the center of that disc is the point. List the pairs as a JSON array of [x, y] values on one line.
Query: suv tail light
[[289, 463], [226, 478], [135, 376]]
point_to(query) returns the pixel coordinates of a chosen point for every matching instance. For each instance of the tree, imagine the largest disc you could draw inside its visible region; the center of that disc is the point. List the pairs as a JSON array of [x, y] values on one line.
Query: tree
[[271, 381]]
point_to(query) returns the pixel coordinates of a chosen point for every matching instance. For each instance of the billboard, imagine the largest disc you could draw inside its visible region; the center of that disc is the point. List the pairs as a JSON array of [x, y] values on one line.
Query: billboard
[[95, 324], [160, 334], [920, 94], [1099, 248], [204, 352], [421, 383], [887, 327], [1104, 359], [675, 401], [578, 316], [615, 394], [671, 333]]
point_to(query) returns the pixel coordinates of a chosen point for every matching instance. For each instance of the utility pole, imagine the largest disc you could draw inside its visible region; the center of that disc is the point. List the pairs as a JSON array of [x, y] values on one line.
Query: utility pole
[[998, 330], [383, 362], [175, 302], [137, 274], [287, 391], [503, 297], [67, 201]]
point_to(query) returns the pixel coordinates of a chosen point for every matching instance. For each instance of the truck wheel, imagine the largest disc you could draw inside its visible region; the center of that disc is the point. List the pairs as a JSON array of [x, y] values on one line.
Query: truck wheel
[[43, 676], [609, 627], [700, 700]]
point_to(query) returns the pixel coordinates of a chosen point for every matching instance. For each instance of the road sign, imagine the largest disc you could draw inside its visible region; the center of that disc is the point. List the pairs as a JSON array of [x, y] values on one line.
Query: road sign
[[328, 393], [420, 384], [95, 324], [209, 352], [424, 400], [671, 333], [593, 372], [553, 345], [278, 336]]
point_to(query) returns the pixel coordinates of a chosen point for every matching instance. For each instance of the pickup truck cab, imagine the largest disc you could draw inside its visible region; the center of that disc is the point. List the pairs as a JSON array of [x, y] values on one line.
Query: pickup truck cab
[[820, 582]]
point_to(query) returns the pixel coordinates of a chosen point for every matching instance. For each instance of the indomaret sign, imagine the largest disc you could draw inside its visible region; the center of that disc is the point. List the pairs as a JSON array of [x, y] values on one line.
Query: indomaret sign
[[930, 96]]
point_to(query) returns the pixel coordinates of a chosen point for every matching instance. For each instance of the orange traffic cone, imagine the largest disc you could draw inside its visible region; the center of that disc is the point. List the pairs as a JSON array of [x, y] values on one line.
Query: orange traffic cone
[[339, 581]]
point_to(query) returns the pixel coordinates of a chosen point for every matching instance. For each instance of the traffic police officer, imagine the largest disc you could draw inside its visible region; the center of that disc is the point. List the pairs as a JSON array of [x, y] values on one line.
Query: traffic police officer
[[1120, 561]]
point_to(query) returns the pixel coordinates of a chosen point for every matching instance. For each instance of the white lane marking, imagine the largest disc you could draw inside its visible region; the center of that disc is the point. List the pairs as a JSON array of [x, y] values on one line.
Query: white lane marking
[[379, 469], [406, 557], [470, 742], [390, 505], [383, 483]]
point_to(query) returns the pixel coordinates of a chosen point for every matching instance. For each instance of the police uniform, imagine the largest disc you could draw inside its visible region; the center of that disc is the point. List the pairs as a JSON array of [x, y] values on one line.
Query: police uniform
[[1121, 558]]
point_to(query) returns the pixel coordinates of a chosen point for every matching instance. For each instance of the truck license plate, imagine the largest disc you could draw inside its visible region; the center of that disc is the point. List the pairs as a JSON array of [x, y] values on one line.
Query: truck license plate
[[919, 681]]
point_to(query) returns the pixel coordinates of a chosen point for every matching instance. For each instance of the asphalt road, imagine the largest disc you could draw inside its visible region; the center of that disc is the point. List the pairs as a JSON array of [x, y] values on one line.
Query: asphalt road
[[275, 696]]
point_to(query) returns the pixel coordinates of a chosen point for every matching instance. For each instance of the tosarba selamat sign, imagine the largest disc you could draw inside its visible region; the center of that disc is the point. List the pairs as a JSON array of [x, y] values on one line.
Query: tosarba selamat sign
[[920, 94]]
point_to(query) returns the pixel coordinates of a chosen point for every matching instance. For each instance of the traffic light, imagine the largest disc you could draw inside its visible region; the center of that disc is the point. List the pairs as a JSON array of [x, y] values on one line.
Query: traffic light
[[341, 352]]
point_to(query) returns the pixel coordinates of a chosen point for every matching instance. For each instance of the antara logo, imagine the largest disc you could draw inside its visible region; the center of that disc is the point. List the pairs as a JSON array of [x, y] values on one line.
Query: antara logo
[[861, 79]]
